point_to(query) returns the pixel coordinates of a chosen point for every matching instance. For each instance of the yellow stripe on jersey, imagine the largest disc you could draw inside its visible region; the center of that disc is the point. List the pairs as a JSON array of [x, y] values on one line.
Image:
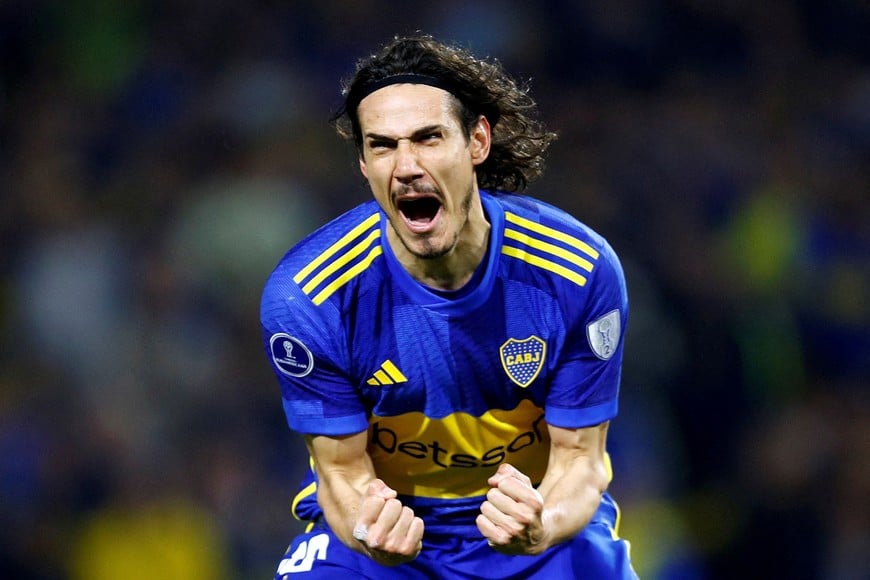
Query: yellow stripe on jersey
[[336, 247], [339, 255], [549, 248], [614, 533], [545, 264], [551, 233], [347, 276], [341, 261], [306, 492]]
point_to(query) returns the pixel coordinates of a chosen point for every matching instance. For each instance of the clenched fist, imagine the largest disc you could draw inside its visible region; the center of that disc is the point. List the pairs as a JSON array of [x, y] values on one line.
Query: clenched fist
[[511, 517], [389, 531]]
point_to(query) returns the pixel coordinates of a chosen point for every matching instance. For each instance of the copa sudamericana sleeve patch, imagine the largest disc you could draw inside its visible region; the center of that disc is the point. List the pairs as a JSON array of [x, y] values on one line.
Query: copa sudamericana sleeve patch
[[290, 355]]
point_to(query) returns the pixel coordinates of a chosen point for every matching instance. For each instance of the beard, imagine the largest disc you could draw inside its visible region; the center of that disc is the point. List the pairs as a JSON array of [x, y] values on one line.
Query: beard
[[425, 247]]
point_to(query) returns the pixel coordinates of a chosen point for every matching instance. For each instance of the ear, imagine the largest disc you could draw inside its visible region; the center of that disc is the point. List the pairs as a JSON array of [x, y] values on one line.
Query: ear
[[480, 140], [362, 167]]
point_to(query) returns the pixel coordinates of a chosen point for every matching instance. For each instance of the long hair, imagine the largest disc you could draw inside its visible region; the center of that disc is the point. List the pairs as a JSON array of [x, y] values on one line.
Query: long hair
[[480, 86]]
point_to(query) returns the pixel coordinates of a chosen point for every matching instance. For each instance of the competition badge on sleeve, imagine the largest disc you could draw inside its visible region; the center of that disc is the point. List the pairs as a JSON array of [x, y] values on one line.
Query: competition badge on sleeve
[[290, 356], [604, 334]]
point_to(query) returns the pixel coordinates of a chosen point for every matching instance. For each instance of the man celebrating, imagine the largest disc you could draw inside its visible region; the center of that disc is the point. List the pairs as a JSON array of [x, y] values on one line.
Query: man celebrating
[[451, 349]]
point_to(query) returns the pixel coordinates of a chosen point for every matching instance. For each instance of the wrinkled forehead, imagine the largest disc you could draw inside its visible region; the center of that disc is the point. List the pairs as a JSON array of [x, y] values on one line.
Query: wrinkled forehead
[[399, 109]]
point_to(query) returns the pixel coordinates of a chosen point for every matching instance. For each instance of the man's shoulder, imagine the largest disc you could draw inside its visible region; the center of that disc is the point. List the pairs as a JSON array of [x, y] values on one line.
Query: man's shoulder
[[343, 228], [542, 220], [327, 257], [333, 238]]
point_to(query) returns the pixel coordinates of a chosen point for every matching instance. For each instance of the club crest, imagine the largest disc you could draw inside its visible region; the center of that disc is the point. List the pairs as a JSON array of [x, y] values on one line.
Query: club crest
[[522, 360], [604, 334]]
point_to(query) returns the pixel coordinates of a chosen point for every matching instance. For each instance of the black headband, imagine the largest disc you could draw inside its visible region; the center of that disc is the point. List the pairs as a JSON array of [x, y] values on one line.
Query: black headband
[[356, 95], [411, 78]]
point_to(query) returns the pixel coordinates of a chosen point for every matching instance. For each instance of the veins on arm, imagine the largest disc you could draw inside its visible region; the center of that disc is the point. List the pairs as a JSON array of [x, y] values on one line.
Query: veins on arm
[[344, 470], [576, 478]]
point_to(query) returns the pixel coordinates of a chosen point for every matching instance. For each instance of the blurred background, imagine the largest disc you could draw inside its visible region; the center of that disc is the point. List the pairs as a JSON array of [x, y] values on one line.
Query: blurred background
[[158, 158]]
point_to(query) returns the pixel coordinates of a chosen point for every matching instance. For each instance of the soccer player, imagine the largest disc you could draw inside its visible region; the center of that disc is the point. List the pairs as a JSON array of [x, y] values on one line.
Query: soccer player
[[451, 349]]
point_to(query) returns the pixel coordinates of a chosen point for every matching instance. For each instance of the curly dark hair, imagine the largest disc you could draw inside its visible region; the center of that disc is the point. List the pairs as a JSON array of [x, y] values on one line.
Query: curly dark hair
[[481, 87]]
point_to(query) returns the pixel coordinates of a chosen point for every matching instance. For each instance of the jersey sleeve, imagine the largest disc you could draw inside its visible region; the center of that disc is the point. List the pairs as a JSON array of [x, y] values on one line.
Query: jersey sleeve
[[585, 388], [305, 347]]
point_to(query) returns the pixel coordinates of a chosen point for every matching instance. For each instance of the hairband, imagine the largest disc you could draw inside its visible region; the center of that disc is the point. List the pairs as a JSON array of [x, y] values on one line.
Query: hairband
[[357, 94], [410, 78]]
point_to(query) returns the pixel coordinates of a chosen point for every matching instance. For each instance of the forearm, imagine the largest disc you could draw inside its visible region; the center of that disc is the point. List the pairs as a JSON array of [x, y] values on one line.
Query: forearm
[[340, 496], [571, 497], [342, 485], [361, 509], [577, 476]]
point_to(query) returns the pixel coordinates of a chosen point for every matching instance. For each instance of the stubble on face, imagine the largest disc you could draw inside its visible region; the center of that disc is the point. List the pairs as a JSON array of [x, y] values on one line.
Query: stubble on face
[[426, 187], [425, 248]]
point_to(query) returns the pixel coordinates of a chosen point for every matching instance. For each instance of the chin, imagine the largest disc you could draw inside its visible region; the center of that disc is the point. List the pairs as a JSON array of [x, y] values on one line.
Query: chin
[[427, 249], [432, 254]]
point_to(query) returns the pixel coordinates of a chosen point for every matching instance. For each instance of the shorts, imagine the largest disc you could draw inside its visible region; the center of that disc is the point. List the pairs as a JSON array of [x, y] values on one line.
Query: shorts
[[461, 553]]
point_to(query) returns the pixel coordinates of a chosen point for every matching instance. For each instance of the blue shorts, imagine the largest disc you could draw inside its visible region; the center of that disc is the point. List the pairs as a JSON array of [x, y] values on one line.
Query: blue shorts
[[463, 553]]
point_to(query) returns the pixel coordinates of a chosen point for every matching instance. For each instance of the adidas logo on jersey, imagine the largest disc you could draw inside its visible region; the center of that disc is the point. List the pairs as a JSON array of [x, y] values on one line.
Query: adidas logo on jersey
[[388, 374]]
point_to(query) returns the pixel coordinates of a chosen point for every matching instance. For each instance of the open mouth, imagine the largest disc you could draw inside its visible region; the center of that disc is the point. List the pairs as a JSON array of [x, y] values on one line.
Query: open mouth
[[420, 211]]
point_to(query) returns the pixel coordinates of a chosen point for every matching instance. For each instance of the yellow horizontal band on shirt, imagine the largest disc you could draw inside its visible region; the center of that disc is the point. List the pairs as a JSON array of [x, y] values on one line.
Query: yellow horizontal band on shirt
[[451, 457]]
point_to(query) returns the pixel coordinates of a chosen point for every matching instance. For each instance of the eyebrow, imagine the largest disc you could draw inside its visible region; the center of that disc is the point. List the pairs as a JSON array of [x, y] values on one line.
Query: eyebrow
[[413, 137]]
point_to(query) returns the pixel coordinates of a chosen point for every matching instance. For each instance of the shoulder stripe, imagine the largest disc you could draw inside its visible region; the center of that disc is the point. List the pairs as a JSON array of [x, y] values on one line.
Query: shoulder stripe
[[551, 233], [545, 264], [340, 262], [348, 275], [335, 265], [336, 247], [549, 248]]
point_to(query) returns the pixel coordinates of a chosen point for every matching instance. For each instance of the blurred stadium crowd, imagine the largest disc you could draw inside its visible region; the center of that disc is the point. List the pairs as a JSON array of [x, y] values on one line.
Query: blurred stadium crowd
[[158, 157]]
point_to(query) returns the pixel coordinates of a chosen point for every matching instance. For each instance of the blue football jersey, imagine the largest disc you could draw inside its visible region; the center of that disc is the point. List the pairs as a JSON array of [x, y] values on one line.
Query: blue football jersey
[[448, 385]]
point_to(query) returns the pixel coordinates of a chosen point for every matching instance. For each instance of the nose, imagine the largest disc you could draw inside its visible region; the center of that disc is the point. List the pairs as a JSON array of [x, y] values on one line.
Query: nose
[[407, 167]]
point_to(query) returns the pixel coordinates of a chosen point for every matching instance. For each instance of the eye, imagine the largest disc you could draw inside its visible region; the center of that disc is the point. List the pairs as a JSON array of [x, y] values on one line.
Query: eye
[[430, 137], [380, 145]]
